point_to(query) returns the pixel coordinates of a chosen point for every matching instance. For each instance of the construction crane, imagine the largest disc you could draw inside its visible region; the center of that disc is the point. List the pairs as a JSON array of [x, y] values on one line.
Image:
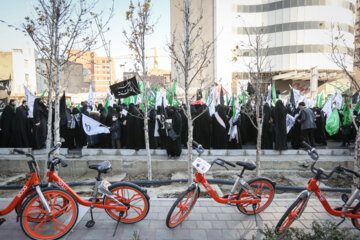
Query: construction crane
[[105, 44]]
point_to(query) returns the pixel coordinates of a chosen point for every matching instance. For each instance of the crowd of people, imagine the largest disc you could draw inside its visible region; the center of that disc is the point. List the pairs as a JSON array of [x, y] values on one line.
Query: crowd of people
[[168, 127]]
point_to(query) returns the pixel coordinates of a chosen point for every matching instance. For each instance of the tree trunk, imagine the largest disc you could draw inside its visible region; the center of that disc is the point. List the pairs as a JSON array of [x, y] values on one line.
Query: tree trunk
[[190, 137], [49, 120], [146, 126], [258, 140], [57, 103]]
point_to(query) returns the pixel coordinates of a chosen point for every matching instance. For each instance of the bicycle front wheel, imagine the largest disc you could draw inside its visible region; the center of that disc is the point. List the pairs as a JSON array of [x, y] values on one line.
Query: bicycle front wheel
[[263, 188], [64, 210], [182, 207], [356, 221], [293, 213], [132, 196]]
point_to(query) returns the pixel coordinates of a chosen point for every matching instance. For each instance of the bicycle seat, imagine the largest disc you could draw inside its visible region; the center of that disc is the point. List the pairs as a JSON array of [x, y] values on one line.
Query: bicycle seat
[[103, 167], [246, 165]]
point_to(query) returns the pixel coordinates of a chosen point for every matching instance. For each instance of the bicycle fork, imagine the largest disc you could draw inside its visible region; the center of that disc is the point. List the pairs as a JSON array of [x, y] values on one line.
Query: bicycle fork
[[43, 200]]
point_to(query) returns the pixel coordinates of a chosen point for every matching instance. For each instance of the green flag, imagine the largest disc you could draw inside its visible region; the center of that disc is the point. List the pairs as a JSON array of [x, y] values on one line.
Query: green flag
[[43, 94], [106, 105], [78, 107], [273, 93], [321, 99], [171, 94], [333, 123], [357, 107], [234, 107], [347, 113]]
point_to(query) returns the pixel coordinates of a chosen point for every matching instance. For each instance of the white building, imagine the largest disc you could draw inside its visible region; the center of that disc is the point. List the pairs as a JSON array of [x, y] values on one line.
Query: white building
[[298, 34], [24, 71]]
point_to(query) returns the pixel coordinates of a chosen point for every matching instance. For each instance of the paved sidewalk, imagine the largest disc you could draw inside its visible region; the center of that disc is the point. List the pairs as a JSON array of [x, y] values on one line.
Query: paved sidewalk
[[208, 220]]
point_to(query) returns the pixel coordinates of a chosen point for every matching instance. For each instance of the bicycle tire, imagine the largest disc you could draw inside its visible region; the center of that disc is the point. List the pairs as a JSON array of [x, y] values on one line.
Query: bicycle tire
[[169, 217], [296, 206], [141, 209], [355, 221], [50, 195], [260, 207]]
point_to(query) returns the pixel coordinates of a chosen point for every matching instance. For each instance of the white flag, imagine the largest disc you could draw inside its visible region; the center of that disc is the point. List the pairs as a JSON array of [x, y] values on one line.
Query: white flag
[[290, 121], [211, 101], [30, 99], [138, 99], [160, 97], [268, 98], [337, 98], [91, 97], [297, 96], [92, 127], [327, 108], [111, 100]]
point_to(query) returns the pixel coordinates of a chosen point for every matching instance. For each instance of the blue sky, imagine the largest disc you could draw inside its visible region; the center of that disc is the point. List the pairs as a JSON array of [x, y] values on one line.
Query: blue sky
[[14, 12]]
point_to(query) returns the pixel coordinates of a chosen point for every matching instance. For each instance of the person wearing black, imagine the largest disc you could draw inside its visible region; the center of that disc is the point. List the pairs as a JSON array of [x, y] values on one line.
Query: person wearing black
[[279, 117], [267, 129], [307, 120], [319, 132], [40, 124], [173, 129], [6, 122], [21, 125], [220, 128]]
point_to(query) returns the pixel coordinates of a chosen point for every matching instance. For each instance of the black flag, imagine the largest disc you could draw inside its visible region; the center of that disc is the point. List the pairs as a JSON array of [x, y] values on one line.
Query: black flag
[[125, 88]]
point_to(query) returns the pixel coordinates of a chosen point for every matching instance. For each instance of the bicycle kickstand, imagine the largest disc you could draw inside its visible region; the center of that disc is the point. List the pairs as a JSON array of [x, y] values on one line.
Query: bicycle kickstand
[[254, 209], [118, 221], [2, 220], [342, 220], [91, 222]]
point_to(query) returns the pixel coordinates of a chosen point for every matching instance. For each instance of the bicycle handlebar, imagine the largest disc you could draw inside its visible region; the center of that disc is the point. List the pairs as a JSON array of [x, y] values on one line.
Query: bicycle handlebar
[[19, 151], [198, 147]]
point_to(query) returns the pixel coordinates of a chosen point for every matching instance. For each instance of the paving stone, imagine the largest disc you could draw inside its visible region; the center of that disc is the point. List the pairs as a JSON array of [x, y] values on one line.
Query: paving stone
[[198, 234], [189, 224], [204, 224], [214, 234]]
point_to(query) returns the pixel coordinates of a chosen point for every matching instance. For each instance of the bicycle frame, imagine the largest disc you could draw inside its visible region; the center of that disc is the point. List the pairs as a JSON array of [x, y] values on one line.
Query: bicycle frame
[[32, 181], [200, 178], [313, 187], [53, 177]]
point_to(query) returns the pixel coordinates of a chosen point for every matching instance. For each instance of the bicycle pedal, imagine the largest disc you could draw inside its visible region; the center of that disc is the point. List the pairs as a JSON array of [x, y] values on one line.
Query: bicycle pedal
[[90, 224], [2, 220]]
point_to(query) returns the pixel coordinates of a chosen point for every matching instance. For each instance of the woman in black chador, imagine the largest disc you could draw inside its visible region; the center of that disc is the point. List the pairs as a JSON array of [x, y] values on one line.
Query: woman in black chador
[[201, 125], [220, 128], [267, 129], [6, 122], [135, 128], [40, 124], [279, 117], [173, 128]]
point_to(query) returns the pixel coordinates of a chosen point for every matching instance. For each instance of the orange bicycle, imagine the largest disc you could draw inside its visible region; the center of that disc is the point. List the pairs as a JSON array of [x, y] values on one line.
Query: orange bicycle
[[46, 213], [123, 201], [347, 210], [254, 196]]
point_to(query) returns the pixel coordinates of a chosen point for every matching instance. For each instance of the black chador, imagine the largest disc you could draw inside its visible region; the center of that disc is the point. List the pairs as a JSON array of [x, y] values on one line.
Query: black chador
[[279, 117], [202, 125], [220, 128], [135, 128], [267, 129], [319, 132], [7, 119], [40, 124], [184, 127], [151, 124], [173, 130], [21, 132]]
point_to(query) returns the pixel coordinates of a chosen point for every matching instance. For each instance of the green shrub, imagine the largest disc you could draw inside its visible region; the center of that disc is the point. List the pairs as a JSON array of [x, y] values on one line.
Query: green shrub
[[319, 231]]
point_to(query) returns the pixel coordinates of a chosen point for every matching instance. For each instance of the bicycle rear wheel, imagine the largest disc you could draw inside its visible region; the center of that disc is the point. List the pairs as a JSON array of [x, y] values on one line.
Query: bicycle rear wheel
[[131, 195], [293, 213], [263, 188], [64, 211], [182, 207]]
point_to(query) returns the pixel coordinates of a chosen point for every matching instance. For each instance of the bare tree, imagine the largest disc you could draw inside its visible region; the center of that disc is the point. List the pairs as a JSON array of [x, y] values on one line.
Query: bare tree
[[254, 51], [191, 55], [57, 27], [343, 56], [139, 18]]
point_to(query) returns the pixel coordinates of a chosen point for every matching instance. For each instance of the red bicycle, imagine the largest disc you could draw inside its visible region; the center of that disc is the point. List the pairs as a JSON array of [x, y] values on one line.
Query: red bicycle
[[347, 210], [123, 201], [254, 196], [47, 213]]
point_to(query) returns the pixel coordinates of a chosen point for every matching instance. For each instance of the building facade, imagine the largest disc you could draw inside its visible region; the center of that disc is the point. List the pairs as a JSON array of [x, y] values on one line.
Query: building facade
[[98, 69], [19, 66], [297, 34]]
